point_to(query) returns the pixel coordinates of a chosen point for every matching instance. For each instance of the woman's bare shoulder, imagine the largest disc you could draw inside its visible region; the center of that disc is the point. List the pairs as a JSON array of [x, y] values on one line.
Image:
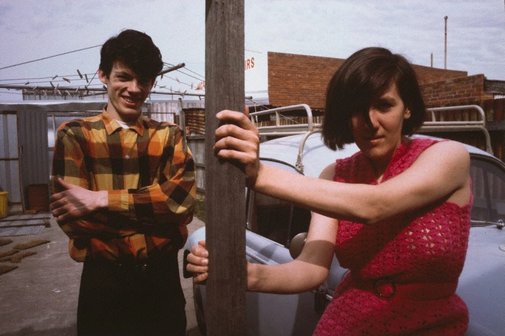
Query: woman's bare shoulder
[[448, 149], [328, 172]]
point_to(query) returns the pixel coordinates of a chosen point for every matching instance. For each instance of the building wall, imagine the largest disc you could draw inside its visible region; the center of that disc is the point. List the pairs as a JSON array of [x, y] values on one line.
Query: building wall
[[429, 75], [457, 91], [295, 79]]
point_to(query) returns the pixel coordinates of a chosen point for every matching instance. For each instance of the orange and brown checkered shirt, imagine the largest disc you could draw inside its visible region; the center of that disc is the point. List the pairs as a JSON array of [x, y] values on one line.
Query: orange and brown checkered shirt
[[149, 173]]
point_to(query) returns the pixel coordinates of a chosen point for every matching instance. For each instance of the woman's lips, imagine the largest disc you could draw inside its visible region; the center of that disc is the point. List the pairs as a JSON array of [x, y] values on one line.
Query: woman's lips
[[375, 140]]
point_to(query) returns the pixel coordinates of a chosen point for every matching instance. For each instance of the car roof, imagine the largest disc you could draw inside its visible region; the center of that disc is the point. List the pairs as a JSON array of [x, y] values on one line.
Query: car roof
[[316, 155]]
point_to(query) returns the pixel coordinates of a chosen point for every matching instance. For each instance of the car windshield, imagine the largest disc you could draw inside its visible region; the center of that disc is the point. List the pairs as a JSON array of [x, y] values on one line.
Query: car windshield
[[488, 181]]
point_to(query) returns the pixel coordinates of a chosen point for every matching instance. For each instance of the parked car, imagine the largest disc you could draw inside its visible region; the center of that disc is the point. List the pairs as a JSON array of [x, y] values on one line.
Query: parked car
[[275, 232]]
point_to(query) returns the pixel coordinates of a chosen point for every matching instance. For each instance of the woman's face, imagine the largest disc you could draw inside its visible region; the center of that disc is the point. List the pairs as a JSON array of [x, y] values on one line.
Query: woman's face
[[379, 137]]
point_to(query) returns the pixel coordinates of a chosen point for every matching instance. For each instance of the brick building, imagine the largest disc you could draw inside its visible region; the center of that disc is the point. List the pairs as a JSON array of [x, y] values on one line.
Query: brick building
[[295, 79]]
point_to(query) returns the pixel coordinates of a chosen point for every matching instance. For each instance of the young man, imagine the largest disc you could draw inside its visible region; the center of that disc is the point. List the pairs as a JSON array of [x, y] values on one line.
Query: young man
[[124, 192]]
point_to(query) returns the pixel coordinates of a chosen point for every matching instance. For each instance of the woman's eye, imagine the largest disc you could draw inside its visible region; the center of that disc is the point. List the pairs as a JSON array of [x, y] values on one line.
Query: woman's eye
[[383, 106]]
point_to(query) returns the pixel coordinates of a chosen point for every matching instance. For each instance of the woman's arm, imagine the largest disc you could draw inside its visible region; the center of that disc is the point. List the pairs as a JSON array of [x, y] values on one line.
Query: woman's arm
[[306, 272], [440, 173]]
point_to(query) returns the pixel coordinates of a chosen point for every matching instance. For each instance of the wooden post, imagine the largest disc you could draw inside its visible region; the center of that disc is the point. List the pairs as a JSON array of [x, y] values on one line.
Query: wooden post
[[225, 184]]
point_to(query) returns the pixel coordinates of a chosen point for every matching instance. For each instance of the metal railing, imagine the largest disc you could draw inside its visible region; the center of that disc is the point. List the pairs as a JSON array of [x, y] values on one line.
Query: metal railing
[[439, 124], [284, 124], [281, 124]]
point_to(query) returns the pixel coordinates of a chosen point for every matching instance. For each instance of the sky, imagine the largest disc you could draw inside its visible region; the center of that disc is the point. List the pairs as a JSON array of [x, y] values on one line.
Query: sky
[[37, 29]]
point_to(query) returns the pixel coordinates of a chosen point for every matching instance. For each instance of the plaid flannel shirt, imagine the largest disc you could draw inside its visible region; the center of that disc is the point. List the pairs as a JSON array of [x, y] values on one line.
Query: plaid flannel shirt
[[148, 171]]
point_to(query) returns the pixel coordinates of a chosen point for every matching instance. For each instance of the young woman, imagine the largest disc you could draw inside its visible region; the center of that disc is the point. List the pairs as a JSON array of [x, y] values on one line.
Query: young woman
[[396, 214]]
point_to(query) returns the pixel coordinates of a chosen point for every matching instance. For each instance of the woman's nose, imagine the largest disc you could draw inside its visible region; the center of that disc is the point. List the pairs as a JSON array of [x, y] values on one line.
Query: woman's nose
[[372, 121]]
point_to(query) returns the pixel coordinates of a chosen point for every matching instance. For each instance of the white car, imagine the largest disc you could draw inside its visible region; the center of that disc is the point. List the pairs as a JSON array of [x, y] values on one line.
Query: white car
[[275, 234]]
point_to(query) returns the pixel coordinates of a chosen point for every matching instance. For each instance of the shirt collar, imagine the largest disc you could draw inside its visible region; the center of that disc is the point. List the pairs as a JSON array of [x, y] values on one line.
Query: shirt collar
[[111, 125]]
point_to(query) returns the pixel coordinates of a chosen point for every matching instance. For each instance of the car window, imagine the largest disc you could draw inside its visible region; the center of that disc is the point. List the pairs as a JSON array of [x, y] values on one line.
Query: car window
[[488, 181], [275, 219]]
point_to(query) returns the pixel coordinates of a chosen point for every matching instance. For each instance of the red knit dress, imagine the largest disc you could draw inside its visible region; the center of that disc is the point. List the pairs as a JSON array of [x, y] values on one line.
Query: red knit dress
[[404, 270]]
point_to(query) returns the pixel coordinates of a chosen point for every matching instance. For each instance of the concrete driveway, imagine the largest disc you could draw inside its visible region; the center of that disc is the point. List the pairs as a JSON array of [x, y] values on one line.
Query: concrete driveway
[[39, 297]]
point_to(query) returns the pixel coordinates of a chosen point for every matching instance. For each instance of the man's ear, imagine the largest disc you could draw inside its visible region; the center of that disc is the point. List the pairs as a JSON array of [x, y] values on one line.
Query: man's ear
[[103, 77]]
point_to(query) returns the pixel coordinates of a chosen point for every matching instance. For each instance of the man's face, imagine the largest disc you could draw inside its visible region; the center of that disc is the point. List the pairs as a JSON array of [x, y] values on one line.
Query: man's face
[[126, 91]]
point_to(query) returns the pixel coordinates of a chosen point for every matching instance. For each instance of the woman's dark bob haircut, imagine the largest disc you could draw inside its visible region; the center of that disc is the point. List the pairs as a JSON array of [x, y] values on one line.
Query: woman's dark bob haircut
[[134, 49], [359, 82]]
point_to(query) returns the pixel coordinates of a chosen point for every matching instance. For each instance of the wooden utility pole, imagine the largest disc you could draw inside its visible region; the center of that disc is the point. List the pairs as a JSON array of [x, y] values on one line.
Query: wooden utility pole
[[225, 184]]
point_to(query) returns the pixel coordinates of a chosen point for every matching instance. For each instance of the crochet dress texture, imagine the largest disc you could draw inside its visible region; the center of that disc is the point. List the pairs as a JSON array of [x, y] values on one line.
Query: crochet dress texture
[[403, 270]]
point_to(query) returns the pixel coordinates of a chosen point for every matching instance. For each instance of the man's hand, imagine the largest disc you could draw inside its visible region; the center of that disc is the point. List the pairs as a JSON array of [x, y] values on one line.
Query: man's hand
[[75, 202]]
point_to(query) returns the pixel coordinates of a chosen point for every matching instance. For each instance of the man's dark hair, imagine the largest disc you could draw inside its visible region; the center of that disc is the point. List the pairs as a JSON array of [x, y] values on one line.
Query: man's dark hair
[[136, 50], [362, 79]]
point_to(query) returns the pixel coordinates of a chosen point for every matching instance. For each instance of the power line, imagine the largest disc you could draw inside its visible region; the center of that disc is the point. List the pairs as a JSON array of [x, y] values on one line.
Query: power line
[[78, 77], [200, 77], [32, 78], [45, 78], [47, 57], [186, 74]]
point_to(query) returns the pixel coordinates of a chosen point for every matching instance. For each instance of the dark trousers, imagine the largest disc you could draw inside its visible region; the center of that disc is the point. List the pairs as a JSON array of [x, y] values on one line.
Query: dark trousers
[[129, 299]]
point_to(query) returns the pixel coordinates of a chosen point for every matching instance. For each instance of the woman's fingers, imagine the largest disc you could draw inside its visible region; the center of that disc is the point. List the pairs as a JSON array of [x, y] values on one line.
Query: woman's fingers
[[236, 131], [233, 148], [200, 250], [198, 262], [238, 118], [200, 277], [200, 273], [238, 140], [232, 138]]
